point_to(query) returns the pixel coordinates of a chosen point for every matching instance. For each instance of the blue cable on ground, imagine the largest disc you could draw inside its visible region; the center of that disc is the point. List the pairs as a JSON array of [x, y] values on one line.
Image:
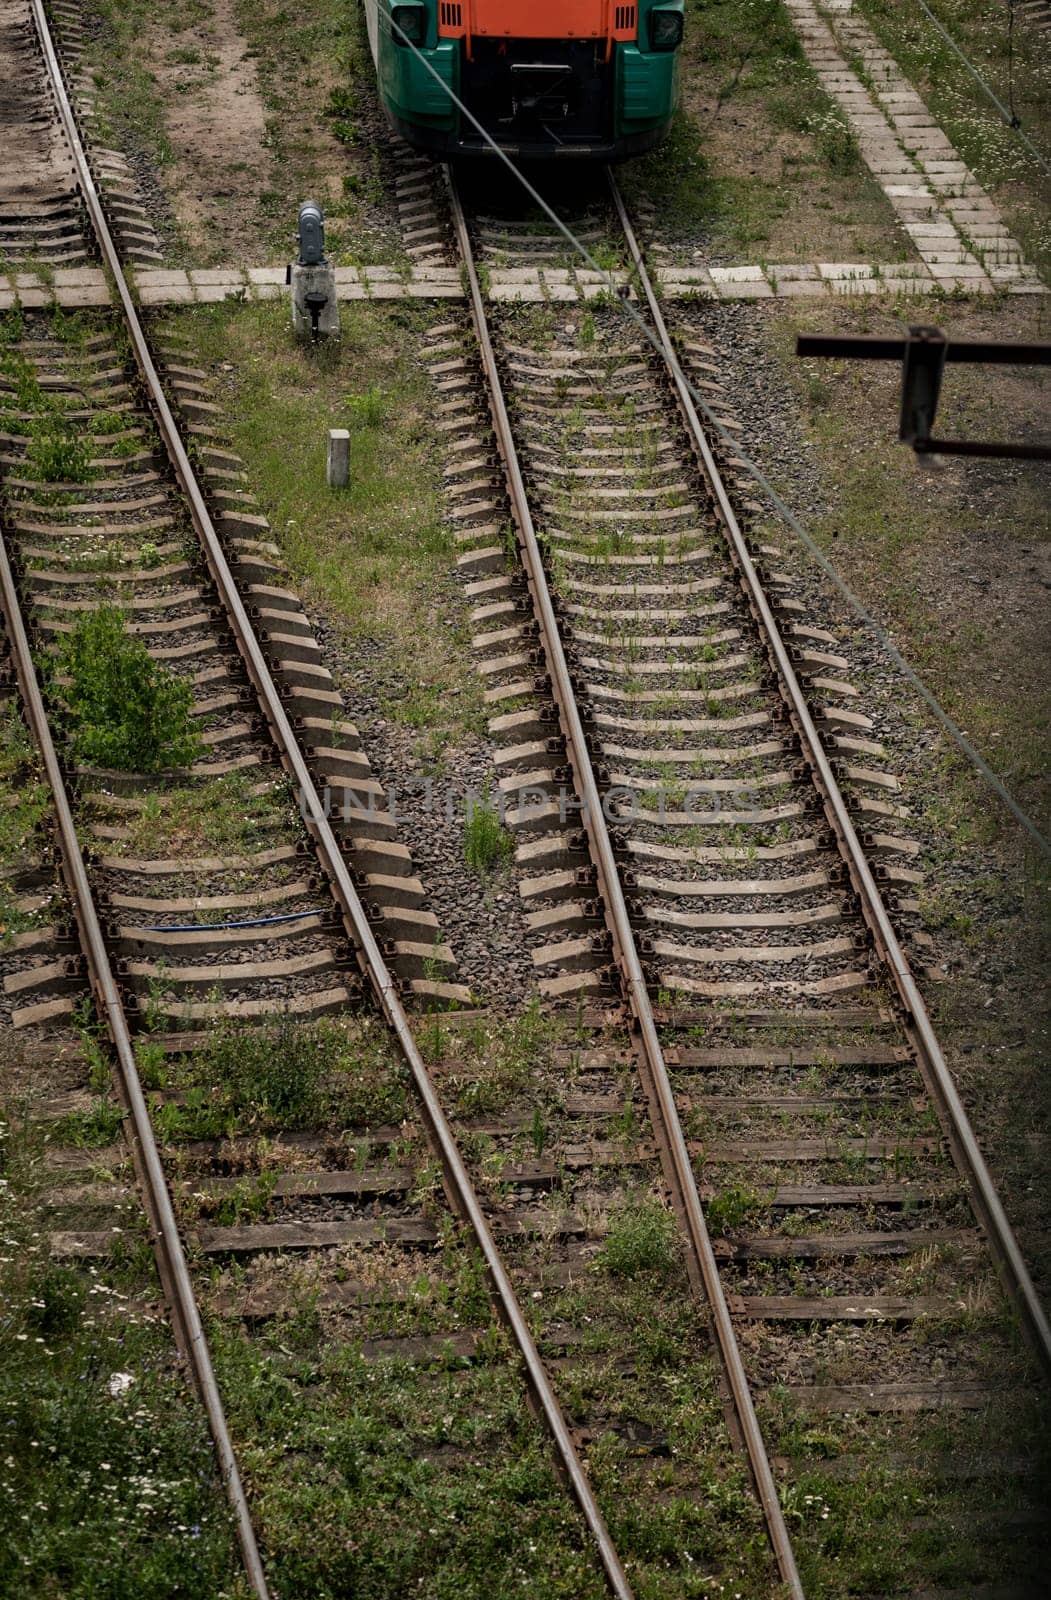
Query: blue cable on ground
[[226, 927]]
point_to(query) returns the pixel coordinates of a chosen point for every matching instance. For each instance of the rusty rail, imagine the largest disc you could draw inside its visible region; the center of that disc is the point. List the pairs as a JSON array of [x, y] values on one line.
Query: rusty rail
[[967, 1155], [674, 1153], [459, 1189]]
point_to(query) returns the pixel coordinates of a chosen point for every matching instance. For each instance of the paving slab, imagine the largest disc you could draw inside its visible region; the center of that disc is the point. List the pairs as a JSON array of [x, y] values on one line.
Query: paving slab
[[169, 294], [745, 289], [208, 294], [801, 288], [845, 269], [793, 273], [722, 275], [218, 275]]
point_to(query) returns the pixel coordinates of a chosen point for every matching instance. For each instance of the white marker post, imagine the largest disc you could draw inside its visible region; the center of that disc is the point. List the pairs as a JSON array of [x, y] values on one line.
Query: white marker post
[[338, 458]]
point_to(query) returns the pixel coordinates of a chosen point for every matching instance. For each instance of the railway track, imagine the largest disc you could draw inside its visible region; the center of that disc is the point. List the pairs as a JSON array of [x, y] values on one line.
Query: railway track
[[116, 514], [579, 1138], [43, 225], [669, 693]]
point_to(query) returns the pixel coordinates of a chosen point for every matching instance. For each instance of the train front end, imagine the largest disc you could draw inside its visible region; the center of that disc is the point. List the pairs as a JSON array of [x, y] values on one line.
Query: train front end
[[539, 79]]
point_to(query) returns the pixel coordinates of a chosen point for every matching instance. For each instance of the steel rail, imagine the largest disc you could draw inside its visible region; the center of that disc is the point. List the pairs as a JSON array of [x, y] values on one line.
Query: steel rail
[[458, 1186], [625, 950], [175, 1275], [967, 1155]]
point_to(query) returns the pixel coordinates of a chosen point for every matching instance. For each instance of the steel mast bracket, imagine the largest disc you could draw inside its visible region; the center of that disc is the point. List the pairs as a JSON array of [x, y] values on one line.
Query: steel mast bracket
[[923, 356]]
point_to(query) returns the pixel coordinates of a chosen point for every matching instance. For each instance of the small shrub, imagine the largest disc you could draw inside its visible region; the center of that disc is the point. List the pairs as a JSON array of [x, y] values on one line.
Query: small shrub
[[836, 142], [279, 1073], [731, 1209], [121, 449], [58, 455], [12, 325], [289, 1075], [641, 1239], [247, 1201], [127, 711], [486, 842], [102, 423], [90, 1130], [27, 394], [366, 410], [343, 110]]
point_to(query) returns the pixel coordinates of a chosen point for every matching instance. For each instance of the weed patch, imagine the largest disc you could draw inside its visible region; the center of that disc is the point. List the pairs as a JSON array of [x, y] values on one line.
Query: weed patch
[[58, 455], [127, 711], [92, 1129], [285, 1075], [732, 1208], [641, 1239], [1013, 58], [486, 842], [367, 1504], [224, 815], [760, 163]]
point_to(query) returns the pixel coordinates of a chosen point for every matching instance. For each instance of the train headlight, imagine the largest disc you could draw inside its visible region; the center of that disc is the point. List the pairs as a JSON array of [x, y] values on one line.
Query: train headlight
[[665, 29], [410, 24]]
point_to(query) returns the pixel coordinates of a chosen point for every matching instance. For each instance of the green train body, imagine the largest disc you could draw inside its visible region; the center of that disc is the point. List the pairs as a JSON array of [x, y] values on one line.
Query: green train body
[[540, 79]]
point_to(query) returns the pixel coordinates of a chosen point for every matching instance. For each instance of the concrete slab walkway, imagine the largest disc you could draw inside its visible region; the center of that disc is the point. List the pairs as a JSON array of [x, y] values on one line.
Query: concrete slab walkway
[[85, 287]]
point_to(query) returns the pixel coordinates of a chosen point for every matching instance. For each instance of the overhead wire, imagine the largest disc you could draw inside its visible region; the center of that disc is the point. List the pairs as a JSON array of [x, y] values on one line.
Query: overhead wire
[[947, 723]]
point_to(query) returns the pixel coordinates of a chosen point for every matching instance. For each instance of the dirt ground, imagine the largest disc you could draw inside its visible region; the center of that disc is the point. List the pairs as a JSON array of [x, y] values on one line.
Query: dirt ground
[[234, 111], [957, 550], [812, 213], [215, 121]]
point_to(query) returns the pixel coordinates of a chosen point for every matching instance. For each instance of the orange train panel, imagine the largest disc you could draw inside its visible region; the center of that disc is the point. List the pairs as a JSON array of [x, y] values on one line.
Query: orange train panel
[[537, 19]]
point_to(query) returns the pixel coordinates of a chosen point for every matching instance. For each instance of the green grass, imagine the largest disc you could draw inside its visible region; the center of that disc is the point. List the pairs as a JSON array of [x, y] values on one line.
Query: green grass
[[498, 1061], [57, 454], [93, 1129], [215, 817], [432, 1469], [108, 1489], [880, 1531], [370, 1474], [377, 557], [366, 1504], [731, 1208], [130, 112], [641, 1239], [23, 807]]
